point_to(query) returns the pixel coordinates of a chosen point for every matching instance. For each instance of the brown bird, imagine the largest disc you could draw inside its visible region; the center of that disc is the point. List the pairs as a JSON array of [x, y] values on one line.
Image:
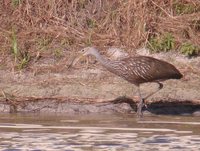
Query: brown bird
[[136, 70]]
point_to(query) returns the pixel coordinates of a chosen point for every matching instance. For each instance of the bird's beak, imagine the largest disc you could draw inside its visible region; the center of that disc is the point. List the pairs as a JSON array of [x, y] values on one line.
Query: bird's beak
[[77, 59]]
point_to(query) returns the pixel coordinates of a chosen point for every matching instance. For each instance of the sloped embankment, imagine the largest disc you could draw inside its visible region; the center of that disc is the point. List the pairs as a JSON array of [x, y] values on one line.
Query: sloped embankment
[[88, 90]]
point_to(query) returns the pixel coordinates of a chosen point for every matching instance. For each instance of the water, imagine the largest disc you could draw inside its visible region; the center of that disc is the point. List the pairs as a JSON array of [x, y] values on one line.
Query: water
[[37, 132]]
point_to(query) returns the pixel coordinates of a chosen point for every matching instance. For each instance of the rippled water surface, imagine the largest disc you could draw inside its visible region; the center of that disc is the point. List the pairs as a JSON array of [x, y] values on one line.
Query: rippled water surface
[[98, 132]]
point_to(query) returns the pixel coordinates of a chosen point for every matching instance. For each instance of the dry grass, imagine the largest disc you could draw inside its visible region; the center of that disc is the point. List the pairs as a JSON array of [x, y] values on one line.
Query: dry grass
[[45, 25]]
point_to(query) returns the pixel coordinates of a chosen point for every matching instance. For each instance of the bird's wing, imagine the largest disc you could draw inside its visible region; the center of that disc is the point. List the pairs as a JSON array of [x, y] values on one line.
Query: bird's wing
[[144, 69]]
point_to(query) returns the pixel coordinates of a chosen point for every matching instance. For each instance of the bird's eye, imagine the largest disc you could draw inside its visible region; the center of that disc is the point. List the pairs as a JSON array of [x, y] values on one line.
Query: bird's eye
[[82, 50]]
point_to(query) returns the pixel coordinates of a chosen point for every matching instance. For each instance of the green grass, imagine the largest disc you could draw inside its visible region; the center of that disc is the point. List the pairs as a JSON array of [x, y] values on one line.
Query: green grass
[[189, 49], [58, 53], [16, 3], [91, 23], [23, 61], [166, 42], [163, 43], [184, 8], [14, 46], [21, 58]]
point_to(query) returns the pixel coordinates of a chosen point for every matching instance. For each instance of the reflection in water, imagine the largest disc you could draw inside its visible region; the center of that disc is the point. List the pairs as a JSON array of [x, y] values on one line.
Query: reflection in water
[[98, 132]]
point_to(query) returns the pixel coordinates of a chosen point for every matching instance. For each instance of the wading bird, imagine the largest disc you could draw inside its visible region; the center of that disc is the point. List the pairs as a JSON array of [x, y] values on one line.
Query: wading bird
[[136, 70]]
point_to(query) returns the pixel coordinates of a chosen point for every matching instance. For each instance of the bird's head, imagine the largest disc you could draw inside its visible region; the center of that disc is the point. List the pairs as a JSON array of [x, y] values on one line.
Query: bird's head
[[88, 51], [85, 52]]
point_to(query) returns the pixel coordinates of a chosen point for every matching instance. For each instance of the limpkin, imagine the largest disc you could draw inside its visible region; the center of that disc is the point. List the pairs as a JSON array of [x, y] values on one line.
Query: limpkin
[[136, 70]]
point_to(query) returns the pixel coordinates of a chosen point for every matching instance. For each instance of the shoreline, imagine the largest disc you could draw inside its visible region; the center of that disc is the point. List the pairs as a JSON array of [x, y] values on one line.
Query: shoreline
[[81, 90]]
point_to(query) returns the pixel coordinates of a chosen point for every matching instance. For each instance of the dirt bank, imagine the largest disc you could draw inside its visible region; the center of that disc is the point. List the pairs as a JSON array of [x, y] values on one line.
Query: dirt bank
[[92, 89]]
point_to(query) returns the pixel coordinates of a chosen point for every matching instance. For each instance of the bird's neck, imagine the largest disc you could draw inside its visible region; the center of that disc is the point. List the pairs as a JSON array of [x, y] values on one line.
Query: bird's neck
[[105, 62]]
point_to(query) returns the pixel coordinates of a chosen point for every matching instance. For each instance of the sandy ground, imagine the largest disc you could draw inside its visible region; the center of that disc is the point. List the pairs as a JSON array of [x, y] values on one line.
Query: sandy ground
[[86, 90]]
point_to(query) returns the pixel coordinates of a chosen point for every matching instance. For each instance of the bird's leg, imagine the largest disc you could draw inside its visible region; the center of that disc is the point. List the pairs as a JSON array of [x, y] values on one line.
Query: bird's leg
[[159, 88], [140, 104]]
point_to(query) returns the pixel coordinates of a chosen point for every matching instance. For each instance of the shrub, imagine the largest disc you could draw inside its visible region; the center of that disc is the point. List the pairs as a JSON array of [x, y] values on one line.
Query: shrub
[[189, 49], [162, 43]]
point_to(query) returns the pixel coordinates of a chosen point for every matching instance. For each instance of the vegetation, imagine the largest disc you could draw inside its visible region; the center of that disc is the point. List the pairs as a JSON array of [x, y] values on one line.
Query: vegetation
[[189, 49], [43, 43], [16, 3], [21, 58], [91, 23], [181, 8], [23, 61], [58, 53], [50, 27], [14, 48], [164, 43]]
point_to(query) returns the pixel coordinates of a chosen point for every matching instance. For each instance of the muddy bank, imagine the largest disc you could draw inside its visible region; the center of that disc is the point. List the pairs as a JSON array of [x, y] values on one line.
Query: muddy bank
[[88, 106], [92, 89]]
